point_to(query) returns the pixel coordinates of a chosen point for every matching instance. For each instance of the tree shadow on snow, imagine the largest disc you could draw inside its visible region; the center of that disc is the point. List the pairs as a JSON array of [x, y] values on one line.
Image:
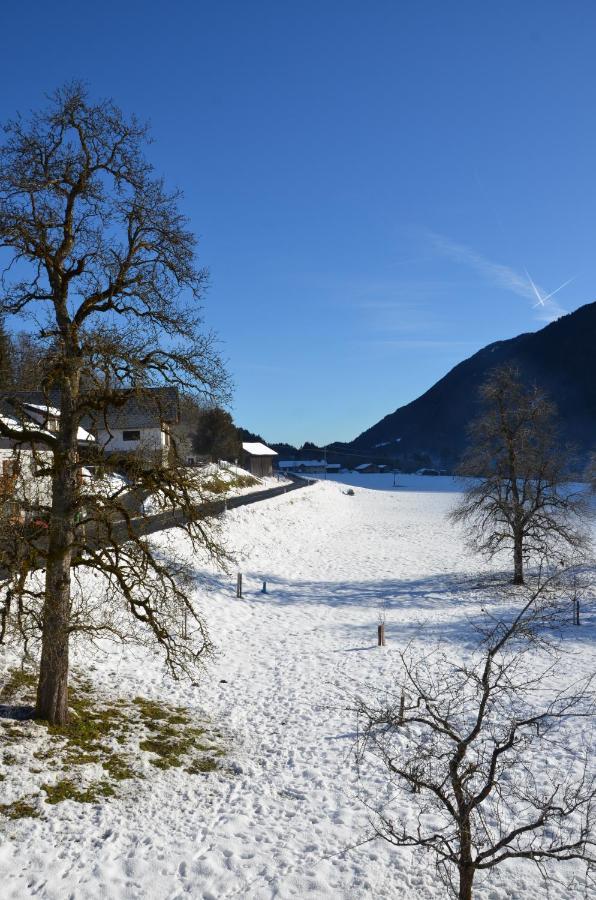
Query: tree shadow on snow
[[447, 607], [20, 713], [428, 593]]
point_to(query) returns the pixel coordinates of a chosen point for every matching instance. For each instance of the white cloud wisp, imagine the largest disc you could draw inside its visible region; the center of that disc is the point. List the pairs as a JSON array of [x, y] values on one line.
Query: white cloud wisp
[[503, 276]]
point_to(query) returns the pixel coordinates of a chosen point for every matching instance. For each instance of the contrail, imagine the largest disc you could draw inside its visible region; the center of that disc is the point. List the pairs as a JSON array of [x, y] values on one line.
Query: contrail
[[542, 300], [560, 288]]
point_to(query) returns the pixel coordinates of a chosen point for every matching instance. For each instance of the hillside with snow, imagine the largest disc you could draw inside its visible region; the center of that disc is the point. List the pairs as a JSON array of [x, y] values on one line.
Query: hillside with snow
[[281, 817]]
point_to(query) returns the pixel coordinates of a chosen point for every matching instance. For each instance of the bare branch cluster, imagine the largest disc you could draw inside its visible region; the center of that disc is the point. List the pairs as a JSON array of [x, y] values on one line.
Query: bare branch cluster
[[497, 754]]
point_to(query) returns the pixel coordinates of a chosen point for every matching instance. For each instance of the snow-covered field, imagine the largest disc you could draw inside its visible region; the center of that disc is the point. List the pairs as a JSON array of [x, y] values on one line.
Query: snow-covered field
[[280, 823]]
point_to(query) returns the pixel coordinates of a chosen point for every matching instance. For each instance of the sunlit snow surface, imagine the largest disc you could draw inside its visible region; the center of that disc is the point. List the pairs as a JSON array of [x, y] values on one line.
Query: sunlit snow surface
[[280, 823]]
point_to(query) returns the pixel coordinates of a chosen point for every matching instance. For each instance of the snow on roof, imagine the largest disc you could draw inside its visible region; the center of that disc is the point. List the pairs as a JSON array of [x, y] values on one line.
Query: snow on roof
[[258, 450], [49, 410], [82, 433], [9, 421], [363, 466], [32, 424]]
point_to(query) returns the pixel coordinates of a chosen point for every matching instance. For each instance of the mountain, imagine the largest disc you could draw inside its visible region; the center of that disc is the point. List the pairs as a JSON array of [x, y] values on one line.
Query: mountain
[[561, 358]]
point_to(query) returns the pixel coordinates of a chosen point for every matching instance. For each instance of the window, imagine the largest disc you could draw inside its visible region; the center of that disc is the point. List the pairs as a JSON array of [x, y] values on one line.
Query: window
[[131, 435]]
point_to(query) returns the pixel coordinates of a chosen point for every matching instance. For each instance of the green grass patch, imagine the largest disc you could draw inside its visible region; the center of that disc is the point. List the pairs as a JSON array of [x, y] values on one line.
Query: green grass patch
[[90, 725], [18, 682], [118, 768], [68, 790], [150, 711], [20, 809], [115, 736], [202, 766]]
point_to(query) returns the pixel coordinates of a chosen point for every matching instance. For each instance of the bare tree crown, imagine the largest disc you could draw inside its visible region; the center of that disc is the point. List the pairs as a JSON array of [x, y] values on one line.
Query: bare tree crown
[[518, 497]]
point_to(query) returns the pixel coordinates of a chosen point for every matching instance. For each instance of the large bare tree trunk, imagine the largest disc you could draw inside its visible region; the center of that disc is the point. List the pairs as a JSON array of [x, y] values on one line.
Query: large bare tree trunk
[[466, 879], [518, 559], [466, 867], [52, 689]]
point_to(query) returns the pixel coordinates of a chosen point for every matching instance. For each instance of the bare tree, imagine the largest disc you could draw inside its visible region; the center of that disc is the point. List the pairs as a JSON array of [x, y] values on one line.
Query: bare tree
[[519, 497], [99, 255], [488, 750]]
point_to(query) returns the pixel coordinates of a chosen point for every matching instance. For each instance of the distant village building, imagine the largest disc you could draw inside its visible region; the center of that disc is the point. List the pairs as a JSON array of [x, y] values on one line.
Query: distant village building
[[308, 466], [258, 459], [366, 468], [333, 467]]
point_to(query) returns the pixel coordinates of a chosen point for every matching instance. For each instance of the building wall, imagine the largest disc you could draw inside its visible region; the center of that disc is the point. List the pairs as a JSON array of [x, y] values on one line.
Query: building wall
[[150, 439], [260, 466], [25, 486]]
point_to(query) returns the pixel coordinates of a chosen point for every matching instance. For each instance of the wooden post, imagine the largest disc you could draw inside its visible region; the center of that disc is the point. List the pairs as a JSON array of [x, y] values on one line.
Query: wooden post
[[576, 611], [381, 635], [264, 591], [239, 586]]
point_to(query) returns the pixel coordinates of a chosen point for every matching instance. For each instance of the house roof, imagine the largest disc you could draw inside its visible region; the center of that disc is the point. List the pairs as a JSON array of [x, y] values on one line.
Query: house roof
[[147, 408], [258, 450], [364, 466], [34, 418]]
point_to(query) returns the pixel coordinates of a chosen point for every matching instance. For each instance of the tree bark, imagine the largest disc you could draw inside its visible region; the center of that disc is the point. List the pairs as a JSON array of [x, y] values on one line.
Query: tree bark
[[518, 559], [466, 865], [466, 879], [52, 689]]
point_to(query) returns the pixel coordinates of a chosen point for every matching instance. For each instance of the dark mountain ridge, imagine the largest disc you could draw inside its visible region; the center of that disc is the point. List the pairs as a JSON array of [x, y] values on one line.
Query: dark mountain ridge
[[561, 358]]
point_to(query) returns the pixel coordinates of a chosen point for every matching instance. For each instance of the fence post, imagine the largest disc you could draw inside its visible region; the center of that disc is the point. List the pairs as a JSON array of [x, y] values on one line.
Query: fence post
[[381, 635], [264, 591], [239, 586]]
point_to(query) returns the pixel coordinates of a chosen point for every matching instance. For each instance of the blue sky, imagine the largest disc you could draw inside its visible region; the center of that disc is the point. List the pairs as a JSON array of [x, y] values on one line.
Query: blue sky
[[373, 184]]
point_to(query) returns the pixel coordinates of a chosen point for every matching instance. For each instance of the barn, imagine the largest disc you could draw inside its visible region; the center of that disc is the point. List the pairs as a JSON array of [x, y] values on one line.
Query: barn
[[366, 468], [258, 459]]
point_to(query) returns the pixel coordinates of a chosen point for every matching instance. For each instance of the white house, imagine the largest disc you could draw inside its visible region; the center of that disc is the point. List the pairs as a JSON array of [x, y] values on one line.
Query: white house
[[142, 424]]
